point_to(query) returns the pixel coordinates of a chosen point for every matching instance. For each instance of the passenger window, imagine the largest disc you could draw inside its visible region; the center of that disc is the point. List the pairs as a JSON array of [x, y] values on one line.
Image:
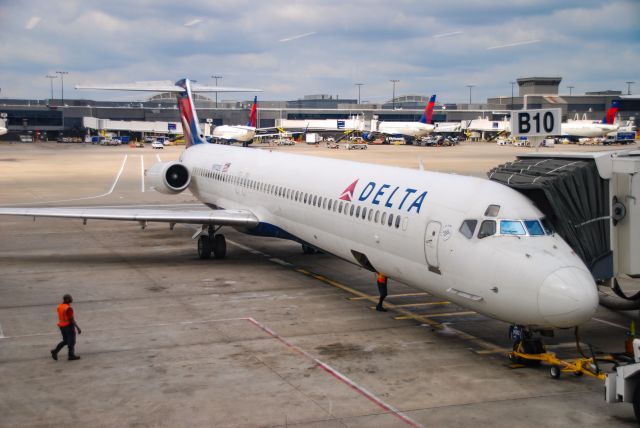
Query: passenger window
[[468, 227], [390, 220], [370, 215], [384, 218], [358, 211], [511, 227], [377, 216], [330, 204], [340, 208], [487, 228], [534, 227], [364, 212], [398, 221], [305, 198], [315, 199], [297, 195], [492, 211], [353, 207]]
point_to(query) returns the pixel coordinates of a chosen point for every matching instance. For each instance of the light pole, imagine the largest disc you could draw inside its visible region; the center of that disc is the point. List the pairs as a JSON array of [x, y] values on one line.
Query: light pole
[[62, 73], [512, 84], [393, 97], [50, 77], [629, 87], [470, 86], [570, 90], [216, 77], [359, 85]]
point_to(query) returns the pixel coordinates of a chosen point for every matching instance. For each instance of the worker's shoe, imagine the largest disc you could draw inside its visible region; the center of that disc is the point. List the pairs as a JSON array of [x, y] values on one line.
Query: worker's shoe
[[380, 308], [54, 354], [73, 357]]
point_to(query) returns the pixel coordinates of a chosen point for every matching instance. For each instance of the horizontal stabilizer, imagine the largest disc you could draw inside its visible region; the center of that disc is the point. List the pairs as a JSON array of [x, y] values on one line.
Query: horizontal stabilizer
[[163, 86]]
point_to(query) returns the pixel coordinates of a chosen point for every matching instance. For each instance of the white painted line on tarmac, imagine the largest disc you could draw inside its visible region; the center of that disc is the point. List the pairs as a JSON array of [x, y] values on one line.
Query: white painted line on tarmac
[[142, 172], [78, 199], [280, 262], [249, 249], [612, 324], [158, 157], [1, 332]]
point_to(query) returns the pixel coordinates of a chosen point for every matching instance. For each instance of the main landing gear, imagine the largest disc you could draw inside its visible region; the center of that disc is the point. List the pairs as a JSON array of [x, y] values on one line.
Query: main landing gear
[[212, 242]]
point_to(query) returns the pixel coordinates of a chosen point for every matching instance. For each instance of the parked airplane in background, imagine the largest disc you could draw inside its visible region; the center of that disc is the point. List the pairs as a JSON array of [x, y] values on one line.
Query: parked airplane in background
[[238, 133], [472, 241], [3, 126], [593, 128], [404, 129]]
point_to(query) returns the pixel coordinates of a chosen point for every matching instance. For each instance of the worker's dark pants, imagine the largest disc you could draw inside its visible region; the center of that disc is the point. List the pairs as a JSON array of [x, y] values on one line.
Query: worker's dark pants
[[382, 290], [68, 338]]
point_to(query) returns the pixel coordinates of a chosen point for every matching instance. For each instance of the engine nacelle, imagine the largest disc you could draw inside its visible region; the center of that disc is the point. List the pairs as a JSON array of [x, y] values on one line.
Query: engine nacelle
[[168, 177]]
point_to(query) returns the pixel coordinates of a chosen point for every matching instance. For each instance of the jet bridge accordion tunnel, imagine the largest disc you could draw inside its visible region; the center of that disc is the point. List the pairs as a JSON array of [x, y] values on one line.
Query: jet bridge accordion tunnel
[[592, 201]]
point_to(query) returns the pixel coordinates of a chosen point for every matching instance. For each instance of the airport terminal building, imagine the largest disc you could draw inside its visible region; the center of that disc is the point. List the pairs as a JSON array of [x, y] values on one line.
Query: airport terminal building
[[52, 117]]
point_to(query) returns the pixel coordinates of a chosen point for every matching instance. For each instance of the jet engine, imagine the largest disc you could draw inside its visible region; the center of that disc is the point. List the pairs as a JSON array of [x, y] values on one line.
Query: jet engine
[[168, 177]]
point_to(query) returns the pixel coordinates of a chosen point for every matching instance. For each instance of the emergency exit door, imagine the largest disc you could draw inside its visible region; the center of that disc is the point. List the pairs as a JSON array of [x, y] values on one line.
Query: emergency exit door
[[431, 238]]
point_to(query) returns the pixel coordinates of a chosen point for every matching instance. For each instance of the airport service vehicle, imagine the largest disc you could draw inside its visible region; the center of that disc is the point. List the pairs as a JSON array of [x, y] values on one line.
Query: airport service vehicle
[[623, 385], [157, 145], [404, 129], [627, 137], [475, 242], [592, 128]]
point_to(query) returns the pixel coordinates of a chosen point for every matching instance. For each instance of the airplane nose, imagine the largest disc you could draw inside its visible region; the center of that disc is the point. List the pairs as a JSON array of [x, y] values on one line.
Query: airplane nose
[[568, 297]]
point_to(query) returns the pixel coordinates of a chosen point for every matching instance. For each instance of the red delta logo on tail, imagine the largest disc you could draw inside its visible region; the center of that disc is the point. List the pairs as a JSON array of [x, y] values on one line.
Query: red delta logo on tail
[[347, 193], [253, 117], [427, 116], [188, 116], [612, 112]]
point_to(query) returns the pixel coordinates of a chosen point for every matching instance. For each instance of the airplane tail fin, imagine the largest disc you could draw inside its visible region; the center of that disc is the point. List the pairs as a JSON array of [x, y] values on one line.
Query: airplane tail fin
[[188, 115], [253, 117], [612, 112], [427, 116]]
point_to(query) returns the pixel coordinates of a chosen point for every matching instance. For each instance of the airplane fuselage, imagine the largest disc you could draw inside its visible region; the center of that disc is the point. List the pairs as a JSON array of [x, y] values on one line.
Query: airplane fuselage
[[409, 129], [587, 128], [234, 133], [406, 224]]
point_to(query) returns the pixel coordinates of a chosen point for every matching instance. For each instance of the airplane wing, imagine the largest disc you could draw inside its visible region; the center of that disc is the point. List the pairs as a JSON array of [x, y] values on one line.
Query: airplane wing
[[163, 86], [217, 217]]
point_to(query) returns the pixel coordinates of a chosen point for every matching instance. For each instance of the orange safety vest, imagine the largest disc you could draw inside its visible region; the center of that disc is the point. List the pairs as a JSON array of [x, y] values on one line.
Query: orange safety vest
[[63, 319], [381, 278]]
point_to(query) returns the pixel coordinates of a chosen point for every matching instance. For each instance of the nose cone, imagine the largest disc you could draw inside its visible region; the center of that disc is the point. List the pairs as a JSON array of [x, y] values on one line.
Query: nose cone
[[568, 297]]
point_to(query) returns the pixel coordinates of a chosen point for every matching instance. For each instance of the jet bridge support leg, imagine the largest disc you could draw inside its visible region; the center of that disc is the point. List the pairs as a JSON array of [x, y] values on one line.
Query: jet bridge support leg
[[381, 280]]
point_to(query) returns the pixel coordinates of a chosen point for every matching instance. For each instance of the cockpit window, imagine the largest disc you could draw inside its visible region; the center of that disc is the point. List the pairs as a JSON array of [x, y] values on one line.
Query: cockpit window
[[487, 228], [547, 226], [511, 227], [534, 227], [492, 211], [468, 227]]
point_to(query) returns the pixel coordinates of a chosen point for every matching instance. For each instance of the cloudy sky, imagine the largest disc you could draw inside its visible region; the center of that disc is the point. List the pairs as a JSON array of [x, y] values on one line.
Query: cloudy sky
[[291, 48]]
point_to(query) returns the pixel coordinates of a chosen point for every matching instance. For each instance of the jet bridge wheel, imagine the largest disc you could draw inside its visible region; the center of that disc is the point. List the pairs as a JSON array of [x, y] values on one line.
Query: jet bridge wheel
[[204, 247], [219, 246]]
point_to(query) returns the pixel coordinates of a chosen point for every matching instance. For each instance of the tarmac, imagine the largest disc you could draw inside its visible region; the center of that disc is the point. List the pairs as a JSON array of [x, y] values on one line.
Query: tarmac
[[268, 336]]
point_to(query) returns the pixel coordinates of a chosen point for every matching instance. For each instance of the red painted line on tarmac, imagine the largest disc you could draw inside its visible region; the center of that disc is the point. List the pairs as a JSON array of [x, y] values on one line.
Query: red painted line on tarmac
[[336, 374]]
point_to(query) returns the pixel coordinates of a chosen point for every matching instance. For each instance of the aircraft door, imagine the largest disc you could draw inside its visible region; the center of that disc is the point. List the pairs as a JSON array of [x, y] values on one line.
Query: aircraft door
[[431, 238]]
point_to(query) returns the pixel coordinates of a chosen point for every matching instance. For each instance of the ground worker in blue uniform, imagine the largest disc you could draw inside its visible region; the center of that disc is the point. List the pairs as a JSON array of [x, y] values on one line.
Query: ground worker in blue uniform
[[68, 327]]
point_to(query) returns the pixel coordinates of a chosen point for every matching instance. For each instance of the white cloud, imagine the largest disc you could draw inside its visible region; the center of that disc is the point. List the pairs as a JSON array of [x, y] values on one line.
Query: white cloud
[[32, 23]]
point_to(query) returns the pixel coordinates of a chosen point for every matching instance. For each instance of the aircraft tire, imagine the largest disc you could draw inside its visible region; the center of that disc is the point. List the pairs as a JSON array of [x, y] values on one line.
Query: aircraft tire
[[219, 246], [204, 247]]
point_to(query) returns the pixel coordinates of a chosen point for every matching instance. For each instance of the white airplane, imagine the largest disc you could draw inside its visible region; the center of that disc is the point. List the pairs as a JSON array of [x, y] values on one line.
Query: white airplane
[[472, 241], [3, 126], [239, 133], [592, 128], [417, 129]]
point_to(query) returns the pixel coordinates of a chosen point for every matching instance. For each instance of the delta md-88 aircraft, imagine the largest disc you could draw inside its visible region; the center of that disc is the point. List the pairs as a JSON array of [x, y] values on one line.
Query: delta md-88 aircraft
[[472, 241]]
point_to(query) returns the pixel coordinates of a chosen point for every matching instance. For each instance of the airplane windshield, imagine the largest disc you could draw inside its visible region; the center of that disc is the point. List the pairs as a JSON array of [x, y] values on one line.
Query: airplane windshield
[[534, 227], [511, 227]]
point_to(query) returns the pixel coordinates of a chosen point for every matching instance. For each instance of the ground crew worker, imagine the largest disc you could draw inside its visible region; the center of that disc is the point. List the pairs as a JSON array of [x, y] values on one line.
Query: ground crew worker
[[382, 290], [68, 326]]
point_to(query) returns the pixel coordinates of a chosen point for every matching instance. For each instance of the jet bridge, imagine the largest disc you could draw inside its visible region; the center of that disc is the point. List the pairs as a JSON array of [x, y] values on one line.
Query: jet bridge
[[593, 202]]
